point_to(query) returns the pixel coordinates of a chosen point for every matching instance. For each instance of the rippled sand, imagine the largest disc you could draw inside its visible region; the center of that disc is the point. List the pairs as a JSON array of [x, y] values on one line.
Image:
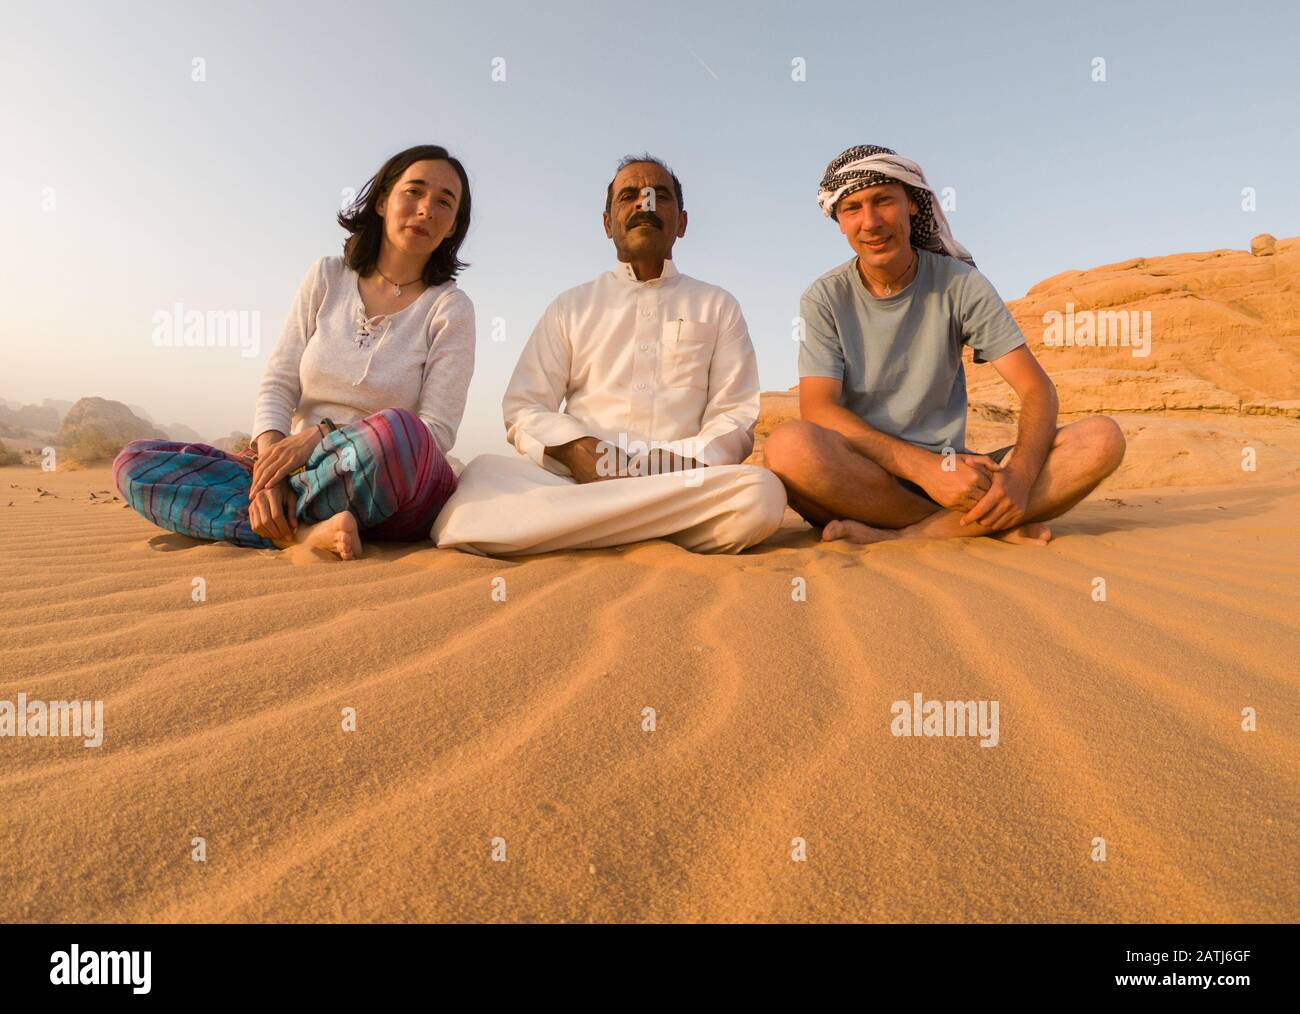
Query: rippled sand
[[523, 720]]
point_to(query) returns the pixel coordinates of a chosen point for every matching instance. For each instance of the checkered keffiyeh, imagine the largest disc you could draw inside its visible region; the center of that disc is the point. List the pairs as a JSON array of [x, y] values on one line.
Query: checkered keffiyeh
[[869, 165]]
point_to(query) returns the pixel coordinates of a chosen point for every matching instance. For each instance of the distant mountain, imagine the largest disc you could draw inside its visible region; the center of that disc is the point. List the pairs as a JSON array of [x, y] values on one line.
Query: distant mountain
[[28, 419], [234, 443], [44, 422], [95, 429], [179, 431]]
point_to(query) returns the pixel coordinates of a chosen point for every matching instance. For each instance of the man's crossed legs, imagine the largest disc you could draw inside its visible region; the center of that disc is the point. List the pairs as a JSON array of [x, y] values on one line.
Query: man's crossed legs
[[850, 497]]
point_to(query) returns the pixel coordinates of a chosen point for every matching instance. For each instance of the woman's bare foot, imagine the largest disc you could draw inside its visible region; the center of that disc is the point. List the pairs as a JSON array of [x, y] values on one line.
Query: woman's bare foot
[[1032, 533], [856, 531], [339, 535]]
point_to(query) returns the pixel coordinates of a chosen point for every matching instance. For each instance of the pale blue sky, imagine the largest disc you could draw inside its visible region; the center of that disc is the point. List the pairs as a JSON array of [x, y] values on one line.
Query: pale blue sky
[[219, 194]]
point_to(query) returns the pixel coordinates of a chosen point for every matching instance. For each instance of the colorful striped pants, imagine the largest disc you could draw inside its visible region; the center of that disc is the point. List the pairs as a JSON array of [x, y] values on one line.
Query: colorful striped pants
[[385, 469]]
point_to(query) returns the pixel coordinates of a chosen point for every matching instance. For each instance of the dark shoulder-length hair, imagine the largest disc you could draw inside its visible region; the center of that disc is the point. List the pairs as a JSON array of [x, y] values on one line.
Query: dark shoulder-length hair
[[366, 225]]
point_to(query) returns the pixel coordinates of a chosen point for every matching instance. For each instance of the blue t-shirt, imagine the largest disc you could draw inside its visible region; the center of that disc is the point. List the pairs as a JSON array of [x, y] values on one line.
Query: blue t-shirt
[[899, 358]]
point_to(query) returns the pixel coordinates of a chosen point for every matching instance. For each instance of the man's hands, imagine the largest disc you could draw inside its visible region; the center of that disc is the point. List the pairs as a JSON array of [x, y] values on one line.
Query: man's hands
[[1003, 506], [964, 486], [281, 458], [991, 494], [272, 513], [593, 460], [661, 461], [589, 459]]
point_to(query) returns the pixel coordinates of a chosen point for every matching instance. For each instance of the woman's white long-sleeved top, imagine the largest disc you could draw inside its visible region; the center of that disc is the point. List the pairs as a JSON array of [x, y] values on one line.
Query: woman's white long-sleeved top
[[325, 365]]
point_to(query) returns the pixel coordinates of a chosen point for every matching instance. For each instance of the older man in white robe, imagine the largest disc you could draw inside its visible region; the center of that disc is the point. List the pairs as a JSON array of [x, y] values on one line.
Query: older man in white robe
[[632, 407]]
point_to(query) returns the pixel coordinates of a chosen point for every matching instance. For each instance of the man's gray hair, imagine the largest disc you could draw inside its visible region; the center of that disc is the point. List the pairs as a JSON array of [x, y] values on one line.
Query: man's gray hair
[[628, 160]]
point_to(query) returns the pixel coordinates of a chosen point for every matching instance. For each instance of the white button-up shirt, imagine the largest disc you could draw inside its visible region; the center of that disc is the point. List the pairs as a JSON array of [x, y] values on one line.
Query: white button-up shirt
[[665, 362]]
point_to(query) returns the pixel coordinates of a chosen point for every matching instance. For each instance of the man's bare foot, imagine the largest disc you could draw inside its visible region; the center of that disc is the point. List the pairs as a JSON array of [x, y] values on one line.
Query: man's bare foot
[[1031, 533], [339, 535], [856, 531]]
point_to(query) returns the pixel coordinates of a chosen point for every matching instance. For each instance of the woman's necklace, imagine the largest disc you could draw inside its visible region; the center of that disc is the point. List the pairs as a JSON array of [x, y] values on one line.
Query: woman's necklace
[[397, 289], [889, 286]]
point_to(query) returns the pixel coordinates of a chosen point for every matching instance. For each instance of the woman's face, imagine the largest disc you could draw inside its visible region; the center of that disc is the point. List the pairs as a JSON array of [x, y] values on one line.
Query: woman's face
[[419, 211]]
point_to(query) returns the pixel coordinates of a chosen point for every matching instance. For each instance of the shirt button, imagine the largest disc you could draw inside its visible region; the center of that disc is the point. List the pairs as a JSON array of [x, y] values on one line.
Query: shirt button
[[647, 313], [644, 347], [640, 387]]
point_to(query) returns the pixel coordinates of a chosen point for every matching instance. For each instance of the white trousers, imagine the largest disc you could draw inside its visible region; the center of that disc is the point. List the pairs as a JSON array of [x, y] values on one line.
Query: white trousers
[[510, 505]]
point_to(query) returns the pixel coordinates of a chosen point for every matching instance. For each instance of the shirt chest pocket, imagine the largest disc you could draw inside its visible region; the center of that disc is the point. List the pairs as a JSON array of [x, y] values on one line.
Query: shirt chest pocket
[[686, 352]]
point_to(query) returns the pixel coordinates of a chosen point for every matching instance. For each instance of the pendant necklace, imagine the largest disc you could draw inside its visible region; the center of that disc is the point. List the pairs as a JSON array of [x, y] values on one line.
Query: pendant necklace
[[397, 289], [889, 286]]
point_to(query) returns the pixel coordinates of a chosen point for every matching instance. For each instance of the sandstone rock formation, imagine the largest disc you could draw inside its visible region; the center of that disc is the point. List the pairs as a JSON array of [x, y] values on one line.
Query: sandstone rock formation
[[1224, 317]]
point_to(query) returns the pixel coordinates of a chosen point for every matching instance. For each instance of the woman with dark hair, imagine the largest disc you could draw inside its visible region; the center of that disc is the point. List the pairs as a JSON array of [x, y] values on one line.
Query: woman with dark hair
[[362, 396]]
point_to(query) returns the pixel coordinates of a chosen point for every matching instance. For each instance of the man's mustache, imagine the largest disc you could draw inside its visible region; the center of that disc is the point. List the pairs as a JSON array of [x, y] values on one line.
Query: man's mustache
[[646, 217]]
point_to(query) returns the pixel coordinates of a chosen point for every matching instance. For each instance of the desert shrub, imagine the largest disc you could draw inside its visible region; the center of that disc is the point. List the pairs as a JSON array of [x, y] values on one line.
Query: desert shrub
[[93, 447]]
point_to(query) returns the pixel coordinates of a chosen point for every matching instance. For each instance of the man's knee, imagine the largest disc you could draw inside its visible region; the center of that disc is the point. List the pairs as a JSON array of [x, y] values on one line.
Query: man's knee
[[1102, 442], [797, 446], [767, 500], [757, 508], [787, 446], [806, 452]]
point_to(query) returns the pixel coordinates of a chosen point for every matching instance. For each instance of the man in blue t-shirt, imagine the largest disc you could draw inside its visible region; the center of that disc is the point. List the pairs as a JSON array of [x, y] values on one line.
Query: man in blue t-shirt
[[880, 449]]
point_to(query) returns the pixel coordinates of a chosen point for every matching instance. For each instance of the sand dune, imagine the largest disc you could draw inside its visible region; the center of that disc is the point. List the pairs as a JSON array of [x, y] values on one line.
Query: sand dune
[[522, 720]]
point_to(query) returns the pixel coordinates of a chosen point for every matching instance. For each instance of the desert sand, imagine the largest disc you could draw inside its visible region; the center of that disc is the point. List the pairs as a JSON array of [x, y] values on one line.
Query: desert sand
[[502, 766], [523, 720]]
